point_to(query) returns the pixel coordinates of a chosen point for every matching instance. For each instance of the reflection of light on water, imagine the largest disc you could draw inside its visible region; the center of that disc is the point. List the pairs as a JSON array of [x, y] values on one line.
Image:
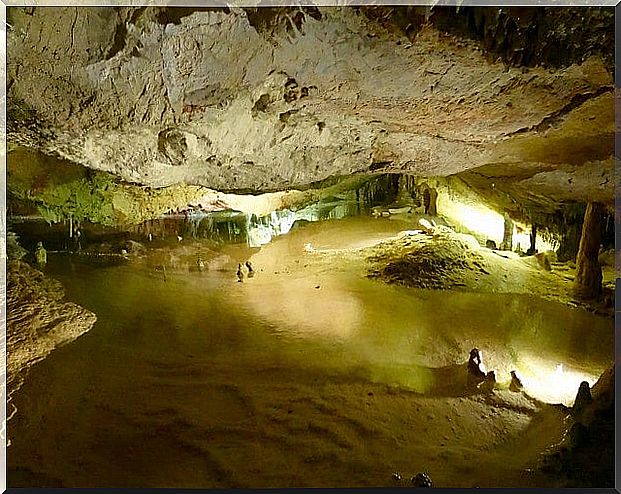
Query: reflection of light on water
[[308, 310], [556, 385]]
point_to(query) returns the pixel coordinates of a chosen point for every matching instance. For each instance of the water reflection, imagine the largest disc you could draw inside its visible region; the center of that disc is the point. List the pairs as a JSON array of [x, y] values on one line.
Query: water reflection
[[397, 334], [226, 226], [199, 366], [232, 226]]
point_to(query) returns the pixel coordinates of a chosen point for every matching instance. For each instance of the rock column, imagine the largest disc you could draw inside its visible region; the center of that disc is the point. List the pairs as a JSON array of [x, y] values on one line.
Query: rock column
[[403, 195], [507, 238], [588, 281], [533, 240]]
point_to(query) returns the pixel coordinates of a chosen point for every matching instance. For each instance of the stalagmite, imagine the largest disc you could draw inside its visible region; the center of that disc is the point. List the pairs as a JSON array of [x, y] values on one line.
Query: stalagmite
[[533, 240], [507, 239], [588, 281]]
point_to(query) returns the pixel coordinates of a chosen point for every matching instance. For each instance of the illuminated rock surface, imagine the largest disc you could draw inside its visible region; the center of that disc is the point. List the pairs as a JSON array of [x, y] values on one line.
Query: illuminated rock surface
[[267, 99]]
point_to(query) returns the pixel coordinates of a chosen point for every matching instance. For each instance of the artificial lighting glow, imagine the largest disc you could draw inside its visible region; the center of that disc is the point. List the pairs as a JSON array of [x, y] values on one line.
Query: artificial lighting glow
[[543, 245], [280, 222], [521, 239], [478, 219], [303, 309], [553, 384]]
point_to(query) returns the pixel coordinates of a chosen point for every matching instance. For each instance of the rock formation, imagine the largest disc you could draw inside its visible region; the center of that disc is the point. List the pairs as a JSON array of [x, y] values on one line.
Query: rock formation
[[38, 320], [588, 282], [270, 99]]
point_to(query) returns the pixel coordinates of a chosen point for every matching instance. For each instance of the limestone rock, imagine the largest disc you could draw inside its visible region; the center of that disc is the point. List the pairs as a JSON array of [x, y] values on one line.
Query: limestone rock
[[38, 319], [603, 391], [268, 99]]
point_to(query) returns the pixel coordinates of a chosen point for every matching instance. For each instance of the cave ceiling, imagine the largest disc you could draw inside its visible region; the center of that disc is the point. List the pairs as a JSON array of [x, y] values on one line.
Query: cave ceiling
[[265, 99]]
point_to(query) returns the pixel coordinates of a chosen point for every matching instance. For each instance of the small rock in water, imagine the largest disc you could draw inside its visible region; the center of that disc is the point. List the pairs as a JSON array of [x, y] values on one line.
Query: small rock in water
[[421, 480], [396, 476]]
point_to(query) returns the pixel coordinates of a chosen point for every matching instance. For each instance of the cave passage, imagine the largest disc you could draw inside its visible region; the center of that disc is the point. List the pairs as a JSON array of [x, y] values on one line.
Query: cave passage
[[308, 374], [310, 246]]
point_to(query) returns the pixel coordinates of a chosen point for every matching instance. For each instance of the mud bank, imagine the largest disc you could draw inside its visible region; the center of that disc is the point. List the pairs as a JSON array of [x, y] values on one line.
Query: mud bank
[[439, 258]]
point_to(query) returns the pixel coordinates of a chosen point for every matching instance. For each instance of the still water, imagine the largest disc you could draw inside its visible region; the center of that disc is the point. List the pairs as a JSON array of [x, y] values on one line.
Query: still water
[[308, 374]]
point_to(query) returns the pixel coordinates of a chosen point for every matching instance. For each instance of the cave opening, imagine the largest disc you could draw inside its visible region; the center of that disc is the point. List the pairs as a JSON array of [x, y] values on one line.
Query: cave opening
[[310, 247]]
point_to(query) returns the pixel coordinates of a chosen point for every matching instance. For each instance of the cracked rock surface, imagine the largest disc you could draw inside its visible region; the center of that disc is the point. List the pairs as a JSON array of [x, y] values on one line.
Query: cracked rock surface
[[271, 99]]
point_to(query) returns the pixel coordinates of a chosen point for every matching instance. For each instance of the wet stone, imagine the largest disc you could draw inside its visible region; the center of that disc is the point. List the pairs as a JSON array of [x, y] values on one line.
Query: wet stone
[[421, 480]]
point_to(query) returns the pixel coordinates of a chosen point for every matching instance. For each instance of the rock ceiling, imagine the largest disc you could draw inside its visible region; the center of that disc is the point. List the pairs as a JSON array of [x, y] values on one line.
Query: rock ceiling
[[269, 99]]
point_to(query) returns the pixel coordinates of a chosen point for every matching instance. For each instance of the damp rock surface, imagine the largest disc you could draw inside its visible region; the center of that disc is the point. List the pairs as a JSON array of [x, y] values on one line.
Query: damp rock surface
[[586, 456], [39, 320], [442, 259]]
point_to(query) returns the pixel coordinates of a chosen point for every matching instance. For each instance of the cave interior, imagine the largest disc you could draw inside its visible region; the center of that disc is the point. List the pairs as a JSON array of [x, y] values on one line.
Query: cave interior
[[301, 246]]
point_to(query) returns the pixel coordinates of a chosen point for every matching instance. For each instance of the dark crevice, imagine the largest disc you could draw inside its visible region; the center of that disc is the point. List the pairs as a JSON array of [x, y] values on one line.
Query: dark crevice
[[75, 18], [378, 165], [261, 104], [284, 117], [118, 43], [173, 15], [269, 20], [555, 117], [136, 15], [313, 12]]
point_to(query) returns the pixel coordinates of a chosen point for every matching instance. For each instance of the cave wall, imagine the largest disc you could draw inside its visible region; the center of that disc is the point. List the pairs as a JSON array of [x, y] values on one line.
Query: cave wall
[[520, 35]]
